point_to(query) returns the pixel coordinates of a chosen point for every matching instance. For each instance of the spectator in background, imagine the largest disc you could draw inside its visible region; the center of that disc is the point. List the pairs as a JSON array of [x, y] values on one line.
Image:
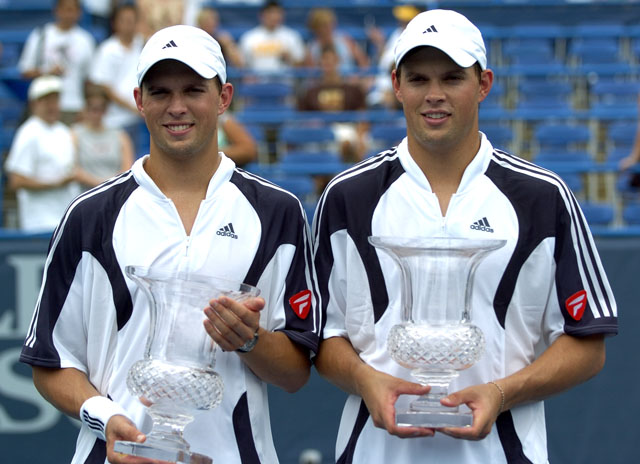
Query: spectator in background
[[101, 152], [100, 11], [333, 93], [272, 47], [633, 157], [235, 140], [114, 69], [64, 49], [40, 165], [158, 14], [208, 20], [322, 24], [382, 94]]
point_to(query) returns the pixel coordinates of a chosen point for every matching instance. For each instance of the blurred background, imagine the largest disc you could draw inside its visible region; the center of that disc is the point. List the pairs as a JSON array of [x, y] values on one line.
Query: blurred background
[[312, 97]]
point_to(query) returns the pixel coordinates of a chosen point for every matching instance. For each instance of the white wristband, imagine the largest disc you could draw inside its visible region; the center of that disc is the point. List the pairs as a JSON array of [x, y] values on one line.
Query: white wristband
[[96, 412]]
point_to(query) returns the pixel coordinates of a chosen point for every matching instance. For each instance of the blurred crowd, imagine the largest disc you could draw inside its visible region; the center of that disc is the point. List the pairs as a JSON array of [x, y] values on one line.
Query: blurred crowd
[[81, 125]]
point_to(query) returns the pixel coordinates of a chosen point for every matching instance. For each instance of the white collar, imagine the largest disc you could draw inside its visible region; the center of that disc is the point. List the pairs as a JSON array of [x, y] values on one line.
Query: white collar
[[476, 167], [219, 178]]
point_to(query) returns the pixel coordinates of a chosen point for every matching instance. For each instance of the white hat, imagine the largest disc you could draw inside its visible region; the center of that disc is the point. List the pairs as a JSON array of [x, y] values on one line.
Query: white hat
[[190, 45], [44, 85], [445, 30]]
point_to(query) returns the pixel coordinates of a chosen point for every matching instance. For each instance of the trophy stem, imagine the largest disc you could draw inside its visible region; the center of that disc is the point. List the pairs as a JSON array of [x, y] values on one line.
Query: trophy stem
[[168, 428], [439, 382], [426, 410]]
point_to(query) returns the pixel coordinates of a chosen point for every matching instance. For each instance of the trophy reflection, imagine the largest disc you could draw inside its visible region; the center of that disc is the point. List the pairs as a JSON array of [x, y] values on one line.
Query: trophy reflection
[[176, 377], [436, 338]]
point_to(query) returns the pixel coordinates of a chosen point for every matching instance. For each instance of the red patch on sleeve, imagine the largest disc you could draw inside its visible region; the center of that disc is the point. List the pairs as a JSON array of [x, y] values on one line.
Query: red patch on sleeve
[[576, 304], [301, 303]]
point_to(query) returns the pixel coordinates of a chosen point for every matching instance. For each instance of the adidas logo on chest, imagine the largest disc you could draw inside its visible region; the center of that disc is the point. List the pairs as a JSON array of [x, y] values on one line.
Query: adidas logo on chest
[[482, 225], [227, 231]]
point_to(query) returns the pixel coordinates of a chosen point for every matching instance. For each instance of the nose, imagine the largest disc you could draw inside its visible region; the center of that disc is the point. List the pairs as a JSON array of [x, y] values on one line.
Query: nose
[[435, 93], [177, 105]]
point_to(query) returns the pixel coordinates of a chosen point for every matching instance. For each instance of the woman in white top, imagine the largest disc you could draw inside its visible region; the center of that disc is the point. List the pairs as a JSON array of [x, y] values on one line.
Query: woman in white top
[[101, 152]]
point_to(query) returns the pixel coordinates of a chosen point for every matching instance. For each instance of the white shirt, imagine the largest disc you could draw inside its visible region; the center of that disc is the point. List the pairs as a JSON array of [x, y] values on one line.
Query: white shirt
[[114, 66], [44, 152], [262, 48], [519, 296], [48, 47]]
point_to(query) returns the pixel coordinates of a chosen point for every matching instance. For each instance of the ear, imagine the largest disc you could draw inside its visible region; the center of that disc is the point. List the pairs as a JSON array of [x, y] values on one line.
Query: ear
[[137, 95], [395, 80], [226, 94], [486, 82]]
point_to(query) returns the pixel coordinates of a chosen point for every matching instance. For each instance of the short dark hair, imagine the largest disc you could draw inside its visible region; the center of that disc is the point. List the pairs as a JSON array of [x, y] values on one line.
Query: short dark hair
[[121, 6], [58, 2], [271, 4]]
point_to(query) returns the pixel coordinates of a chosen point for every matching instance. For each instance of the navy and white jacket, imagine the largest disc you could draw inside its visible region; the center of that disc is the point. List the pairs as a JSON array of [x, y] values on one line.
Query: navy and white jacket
[[91, 317], [546, 281]]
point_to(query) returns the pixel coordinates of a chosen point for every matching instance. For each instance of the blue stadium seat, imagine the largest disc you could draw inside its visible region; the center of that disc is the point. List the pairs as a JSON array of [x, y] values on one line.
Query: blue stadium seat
[[302, 186], [545, 96], [308, 150], [631, 214], [265, 95], [311, 164], [500, 135], [6, 137], [595, 48], [617, 98], [574, 182], [387, 135], [619, 140], [560, 146], [598, 213]]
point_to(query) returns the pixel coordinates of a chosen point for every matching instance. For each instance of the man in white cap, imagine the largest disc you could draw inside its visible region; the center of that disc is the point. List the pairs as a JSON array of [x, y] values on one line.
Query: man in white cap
[[184, 207], [542, 301], [40, 165]]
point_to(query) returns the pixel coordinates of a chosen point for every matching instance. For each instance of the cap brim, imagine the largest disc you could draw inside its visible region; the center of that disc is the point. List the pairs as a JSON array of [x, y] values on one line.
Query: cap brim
[[193, 62], [462, 58]]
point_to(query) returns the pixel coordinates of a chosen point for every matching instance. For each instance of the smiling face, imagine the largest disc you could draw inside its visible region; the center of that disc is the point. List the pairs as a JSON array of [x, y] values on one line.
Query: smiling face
[[440, 101], [47, 107], [181, 110]]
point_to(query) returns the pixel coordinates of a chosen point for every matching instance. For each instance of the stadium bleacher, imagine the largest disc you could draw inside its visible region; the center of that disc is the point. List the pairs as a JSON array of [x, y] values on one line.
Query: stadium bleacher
[[554, 64]]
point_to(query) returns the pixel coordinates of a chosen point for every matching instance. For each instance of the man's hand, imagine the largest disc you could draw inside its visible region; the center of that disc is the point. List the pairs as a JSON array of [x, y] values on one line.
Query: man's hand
[[484, 401], [121, 428], [231, 324], [380, 392]]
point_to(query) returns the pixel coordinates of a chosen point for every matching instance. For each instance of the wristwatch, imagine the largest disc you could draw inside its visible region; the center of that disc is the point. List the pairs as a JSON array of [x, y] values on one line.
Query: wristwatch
[[249, 345]]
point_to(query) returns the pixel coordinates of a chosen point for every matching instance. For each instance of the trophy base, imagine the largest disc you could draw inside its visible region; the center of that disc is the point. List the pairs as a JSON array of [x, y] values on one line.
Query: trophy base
[[153, 451], [433, 419], [427, 412]]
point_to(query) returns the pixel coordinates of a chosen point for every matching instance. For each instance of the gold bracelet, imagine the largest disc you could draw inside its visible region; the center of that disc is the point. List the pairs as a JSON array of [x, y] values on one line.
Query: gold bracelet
[[501, 395]]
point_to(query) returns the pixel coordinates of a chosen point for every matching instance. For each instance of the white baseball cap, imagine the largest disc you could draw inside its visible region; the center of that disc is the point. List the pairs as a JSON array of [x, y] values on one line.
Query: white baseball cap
[[445, 30], [187, 44], [44, 85]]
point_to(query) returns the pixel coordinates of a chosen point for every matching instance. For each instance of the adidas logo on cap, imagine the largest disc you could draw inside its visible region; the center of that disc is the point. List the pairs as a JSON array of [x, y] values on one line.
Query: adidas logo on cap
[[171, 44]]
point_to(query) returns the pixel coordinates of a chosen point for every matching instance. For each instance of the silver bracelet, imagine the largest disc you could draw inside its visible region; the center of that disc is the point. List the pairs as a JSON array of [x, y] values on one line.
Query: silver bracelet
[[501, 395], [248, 346]]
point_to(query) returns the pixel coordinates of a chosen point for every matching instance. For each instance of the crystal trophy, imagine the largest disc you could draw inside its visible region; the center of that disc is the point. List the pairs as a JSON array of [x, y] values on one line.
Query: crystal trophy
[[176, 377], [435, 338]]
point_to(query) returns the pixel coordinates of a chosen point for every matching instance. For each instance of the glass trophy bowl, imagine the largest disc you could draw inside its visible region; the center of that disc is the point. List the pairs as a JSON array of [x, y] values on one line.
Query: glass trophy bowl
[[176, 377], [436, 338]]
